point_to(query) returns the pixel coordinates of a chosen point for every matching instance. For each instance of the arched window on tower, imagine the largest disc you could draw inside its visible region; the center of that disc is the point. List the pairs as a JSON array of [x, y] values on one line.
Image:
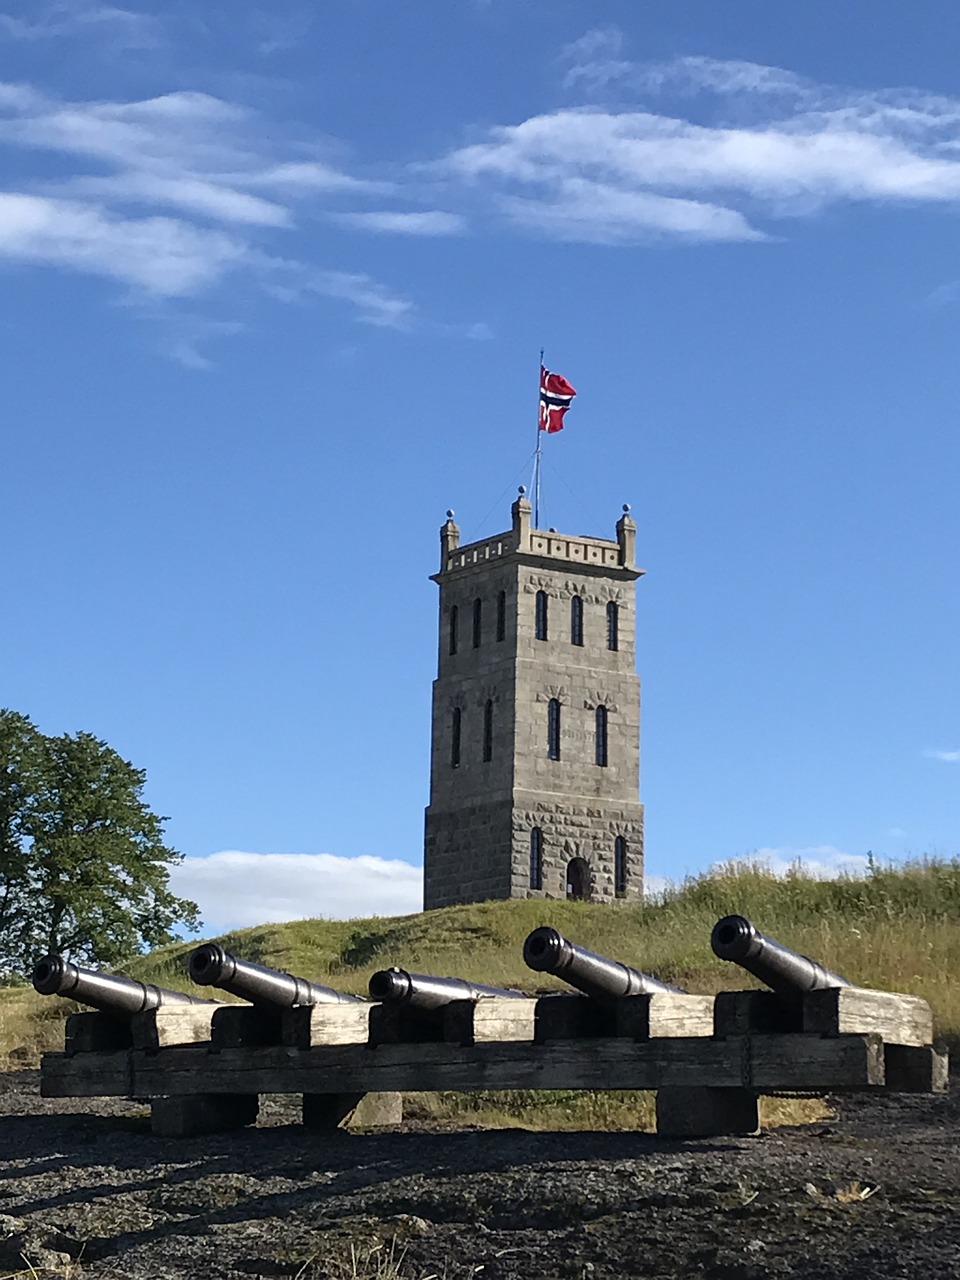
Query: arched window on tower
[[454, 625], [541, 615], [601, 737], [536, 858], [488, 730], [613, 625], [620, 866], [501, 615], [477, 622], [455, 738], [553, 729], [576, 620]]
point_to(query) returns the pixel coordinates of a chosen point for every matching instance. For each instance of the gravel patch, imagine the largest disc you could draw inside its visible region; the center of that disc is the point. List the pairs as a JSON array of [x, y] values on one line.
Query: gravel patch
[[86, 1190]]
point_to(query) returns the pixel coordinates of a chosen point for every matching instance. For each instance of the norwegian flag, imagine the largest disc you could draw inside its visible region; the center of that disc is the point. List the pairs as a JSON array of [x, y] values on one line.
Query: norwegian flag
[[555, 396]]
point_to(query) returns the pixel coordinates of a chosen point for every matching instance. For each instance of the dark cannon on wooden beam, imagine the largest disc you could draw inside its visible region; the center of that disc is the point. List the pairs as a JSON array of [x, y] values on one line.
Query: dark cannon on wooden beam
[[56, 976], [424, 992], [212, 966], [786, 972], [548, 951]]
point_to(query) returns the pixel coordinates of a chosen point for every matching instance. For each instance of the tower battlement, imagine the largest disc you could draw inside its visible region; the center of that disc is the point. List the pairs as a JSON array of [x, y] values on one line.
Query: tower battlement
[[547, 544], [535, 755]]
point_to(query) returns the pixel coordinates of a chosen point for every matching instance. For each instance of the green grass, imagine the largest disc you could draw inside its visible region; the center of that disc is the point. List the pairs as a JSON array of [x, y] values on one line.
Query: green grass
[[896, 929]]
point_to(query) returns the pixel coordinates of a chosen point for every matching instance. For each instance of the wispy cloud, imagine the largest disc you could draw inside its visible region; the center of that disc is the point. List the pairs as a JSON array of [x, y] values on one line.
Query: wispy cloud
[[628, 173], [432, 222], [236, 889], [124, 28], [192, 187], [948, 757]]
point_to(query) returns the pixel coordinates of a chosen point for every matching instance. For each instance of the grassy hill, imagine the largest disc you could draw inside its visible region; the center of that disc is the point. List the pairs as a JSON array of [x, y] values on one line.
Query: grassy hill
[[896, 929]]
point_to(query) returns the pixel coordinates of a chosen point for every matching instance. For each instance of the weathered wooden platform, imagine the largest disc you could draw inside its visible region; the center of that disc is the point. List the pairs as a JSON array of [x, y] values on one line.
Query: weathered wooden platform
[[708, 1059]]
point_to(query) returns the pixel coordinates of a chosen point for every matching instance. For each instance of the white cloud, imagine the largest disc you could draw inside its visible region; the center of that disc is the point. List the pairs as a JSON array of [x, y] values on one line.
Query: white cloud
[[375, 303], [601, 174], [948, 757], [235, 889], [162, 256], [822, 862], [433, 222]]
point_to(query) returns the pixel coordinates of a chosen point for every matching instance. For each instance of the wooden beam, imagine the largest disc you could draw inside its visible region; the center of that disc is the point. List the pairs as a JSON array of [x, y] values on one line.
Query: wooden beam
[[743, 1013], [305, 1026], [900, 1019], [95, 1032], [87, 1075], [916, 1069], [173, 1024]]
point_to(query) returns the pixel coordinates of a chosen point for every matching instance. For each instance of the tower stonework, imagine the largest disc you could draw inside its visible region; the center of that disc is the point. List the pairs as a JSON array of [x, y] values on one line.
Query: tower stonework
[[535, 755]]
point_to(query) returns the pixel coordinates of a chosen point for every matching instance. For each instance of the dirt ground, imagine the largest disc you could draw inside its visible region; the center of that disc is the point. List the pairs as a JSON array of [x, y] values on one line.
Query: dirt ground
[[85, 1190]]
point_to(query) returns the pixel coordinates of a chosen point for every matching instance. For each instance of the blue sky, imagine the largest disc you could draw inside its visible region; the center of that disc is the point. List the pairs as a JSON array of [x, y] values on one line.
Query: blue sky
[[273, 285]]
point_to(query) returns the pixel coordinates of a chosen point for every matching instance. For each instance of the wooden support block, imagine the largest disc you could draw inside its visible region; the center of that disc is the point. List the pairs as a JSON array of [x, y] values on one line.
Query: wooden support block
[[238, 1026], [744, 1013], [395, 1024], [900, 1019], [96, 1033], [915, 1069], [665, 1013], [352, 1110], [172, 1025], [305, 1026], [87, 1075], [707, 1113], [496, 1018], [195, 1114], [814, 1062], [565, 1017]]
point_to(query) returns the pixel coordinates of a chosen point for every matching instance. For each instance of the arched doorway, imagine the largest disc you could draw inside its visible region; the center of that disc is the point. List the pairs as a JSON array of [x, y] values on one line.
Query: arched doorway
[[578, 879]]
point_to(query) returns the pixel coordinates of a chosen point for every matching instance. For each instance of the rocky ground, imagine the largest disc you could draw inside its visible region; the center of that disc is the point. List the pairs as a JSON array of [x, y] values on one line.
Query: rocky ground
[[85, 1190]]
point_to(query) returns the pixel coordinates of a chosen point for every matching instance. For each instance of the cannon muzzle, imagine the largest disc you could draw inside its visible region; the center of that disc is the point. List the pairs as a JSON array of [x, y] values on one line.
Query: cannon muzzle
[[212, 966], [548, 951], [786, 972], [56, 976], [424, 991]]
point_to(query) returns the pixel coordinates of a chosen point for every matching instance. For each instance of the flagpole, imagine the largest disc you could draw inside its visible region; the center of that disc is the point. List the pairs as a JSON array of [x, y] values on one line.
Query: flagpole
[[536, 465]]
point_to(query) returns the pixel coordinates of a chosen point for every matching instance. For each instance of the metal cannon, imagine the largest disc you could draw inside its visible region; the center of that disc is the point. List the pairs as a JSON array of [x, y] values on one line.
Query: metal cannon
[[424, 992], [212, 966], [786, 972], [548, 951], [56, 976]]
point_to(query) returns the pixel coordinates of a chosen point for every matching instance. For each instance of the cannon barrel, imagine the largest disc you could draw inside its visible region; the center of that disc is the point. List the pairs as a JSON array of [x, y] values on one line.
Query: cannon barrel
[[212, 966], [548, 951], [425, 991], [56, 976], [786, 972]]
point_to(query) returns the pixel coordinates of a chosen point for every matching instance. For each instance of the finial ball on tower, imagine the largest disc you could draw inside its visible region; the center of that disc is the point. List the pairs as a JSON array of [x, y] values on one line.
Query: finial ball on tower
[[522, 491], [626, 508], [450, 514]]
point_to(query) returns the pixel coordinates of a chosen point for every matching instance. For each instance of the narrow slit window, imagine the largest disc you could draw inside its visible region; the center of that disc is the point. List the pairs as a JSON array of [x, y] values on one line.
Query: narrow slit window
[[541, 615], [576, 620], [553, 729], [620, 866], [536, 858], [613, 625], [477, 622], [501, 615], [455, 739], [601, 737], [454, 625], [488, 730]]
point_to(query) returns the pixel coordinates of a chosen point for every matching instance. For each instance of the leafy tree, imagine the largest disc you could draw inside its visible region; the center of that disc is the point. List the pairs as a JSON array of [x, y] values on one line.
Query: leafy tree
[[83, 866]]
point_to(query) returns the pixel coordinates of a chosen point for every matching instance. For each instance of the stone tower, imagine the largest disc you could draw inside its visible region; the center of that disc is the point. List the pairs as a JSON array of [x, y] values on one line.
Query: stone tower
[[535, 757]]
